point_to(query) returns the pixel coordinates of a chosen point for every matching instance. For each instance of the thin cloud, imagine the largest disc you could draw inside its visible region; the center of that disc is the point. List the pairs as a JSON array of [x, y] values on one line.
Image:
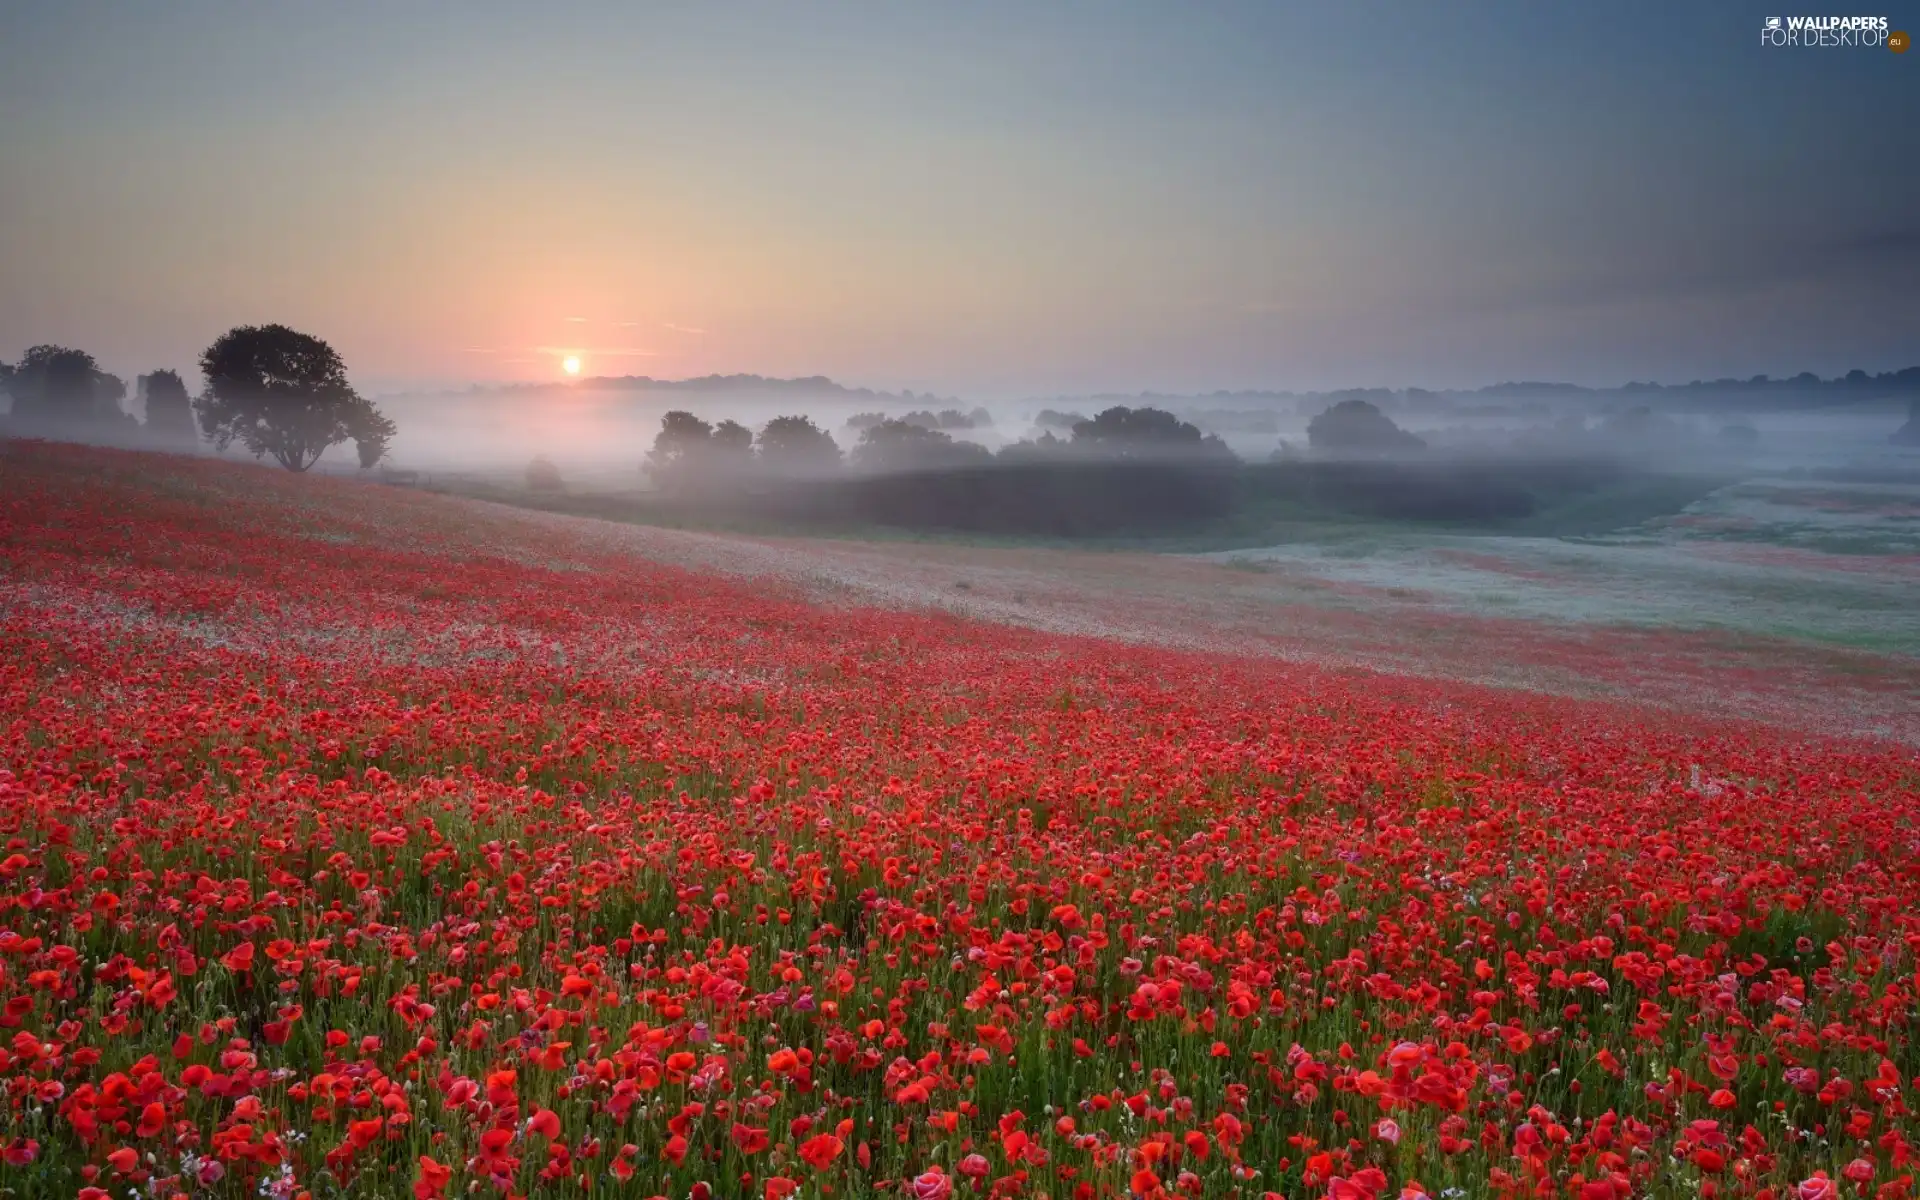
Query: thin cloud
[[576, 320], [477, 350], [593, 352], [682, 328]]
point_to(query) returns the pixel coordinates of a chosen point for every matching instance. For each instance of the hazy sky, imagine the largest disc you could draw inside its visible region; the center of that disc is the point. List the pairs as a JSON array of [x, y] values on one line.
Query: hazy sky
[[980, 198]]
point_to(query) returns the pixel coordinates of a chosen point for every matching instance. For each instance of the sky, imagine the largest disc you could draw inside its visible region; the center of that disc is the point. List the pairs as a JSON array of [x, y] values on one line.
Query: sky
[[982, 199]]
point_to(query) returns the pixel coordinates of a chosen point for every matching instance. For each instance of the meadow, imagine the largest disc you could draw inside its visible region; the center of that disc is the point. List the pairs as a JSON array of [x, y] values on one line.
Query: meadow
[[368, 842]]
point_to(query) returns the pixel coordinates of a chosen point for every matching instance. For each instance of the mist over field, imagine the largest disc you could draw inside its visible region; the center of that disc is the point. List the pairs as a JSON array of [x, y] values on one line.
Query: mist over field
[[1757, 508], [608, 425], [600, 424]]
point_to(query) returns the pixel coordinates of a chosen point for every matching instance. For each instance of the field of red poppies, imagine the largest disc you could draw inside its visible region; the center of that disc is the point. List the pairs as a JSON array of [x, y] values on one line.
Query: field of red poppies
[[368, 843]]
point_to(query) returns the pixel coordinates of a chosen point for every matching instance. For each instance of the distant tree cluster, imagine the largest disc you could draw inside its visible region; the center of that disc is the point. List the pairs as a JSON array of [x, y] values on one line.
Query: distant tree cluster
[[945, 419], [1124, 472], [690, 451], [1255, 412], [59, 390], [691, 454], [1854, 381], [1123, 469], [1135, 433], [1357, 428], [277, 392], [895, 446]]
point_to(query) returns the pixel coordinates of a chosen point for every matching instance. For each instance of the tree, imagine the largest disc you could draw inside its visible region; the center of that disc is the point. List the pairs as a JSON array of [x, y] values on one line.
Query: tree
[[910, 446], [543, 476], [54, 383], [108, 391], [796, 446], [680, 446], [169, 408], [280, 392], [1122, 432], [62, 387], [732, 446], [1358, 427]]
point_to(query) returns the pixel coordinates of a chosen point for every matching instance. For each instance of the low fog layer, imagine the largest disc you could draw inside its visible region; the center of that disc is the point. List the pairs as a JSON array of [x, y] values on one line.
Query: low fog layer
[[593, 426], [733, 445], [596, 424]]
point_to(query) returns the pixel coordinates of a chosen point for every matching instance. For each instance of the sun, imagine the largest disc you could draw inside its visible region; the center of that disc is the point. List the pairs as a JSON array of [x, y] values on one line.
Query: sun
[[571, 364]]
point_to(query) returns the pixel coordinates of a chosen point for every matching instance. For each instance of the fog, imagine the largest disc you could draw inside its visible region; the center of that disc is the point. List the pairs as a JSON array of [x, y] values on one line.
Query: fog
[[600, 428], [1097, 465], [601, 435], [597, 428]]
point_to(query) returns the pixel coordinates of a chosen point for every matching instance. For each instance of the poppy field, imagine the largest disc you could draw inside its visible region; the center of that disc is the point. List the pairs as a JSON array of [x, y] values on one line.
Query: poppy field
[[362, 842]]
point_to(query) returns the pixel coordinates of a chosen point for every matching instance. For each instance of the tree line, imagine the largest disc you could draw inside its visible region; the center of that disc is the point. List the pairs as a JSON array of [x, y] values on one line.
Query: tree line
[[1125, 471], [277, 392], [690, 454]]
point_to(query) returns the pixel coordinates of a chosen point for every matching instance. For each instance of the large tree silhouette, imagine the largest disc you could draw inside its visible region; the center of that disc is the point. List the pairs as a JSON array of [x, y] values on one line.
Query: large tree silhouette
[[680, 449], [796, 446], [284, 393]]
